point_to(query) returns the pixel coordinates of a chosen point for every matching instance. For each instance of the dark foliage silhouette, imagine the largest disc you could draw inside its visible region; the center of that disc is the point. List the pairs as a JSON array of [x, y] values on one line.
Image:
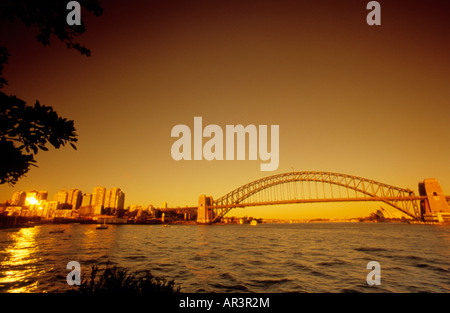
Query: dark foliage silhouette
[[115, 280], [49, 16], [25, 129]]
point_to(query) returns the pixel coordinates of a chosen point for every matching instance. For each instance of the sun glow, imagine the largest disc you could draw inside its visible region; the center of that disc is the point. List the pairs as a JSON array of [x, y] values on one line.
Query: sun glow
[[31, 200]]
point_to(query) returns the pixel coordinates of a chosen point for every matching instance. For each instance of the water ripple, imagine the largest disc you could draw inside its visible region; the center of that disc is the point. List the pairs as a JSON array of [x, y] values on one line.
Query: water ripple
[[235, 258]]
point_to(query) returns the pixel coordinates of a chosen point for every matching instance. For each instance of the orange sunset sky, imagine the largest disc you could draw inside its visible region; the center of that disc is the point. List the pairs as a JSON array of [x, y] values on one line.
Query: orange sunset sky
[[370, 101]]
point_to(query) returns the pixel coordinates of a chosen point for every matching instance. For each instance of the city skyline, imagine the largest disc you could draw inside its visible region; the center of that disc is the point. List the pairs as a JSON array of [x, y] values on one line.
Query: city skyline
[[112, 202], [370, 101], [112, 198]]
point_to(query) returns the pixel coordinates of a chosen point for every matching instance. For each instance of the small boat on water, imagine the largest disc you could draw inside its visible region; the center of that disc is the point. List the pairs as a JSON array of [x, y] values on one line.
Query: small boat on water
[[102, 226], [11, 229], [253, 222], [59, 231]]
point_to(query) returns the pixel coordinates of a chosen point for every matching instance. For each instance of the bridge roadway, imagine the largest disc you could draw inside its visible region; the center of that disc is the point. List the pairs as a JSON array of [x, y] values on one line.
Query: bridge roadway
[[242, 205]]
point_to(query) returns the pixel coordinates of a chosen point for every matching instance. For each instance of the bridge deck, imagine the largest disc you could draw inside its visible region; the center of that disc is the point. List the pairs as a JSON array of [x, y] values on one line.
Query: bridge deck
[[241, 205], [382, 199]]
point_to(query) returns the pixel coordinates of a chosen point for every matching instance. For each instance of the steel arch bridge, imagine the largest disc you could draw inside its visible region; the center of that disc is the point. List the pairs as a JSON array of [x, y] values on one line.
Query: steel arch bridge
[[299, 187]]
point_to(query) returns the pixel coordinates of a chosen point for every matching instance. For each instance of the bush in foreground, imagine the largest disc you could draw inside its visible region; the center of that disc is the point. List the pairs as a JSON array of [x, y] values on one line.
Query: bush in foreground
[[115, 280]]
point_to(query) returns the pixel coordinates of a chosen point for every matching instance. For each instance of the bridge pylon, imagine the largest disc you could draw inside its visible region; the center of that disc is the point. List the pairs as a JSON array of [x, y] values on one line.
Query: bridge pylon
[[204, 211], [435, 207]]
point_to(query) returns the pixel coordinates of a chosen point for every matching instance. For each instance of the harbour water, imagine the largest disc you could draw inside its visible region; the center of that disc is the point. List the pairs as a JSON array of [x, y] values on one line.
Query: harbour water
[[274, 258]]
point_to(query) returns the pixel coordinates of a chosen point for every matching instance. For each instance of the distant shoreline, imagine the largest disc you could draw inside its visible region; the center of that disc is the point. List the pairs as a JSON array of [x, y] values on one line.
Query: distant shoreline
[[28, 224]]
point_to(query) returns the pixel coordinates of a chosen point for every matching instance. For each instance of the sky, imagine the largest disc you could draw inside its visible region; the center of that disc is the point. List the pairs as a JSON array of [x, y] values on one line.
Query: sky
[[369, 101]]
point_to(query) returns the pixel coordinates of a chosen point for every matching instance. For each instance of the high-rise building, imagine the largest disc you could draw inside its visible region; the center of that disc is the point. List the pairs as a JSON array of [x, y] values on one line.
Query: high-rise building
[[42, 195], [87, 198], [61, 196], [115, 199], [32, 198], [98, 196], [49, 208], [32, 194], [74, 198], [18, 198]]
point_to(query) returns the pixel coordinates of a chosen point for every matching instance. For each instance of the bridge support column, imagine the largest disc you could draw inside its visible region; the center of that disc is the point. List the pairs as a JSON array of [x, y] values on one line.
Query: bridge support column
[[204, 213], [435, 208]]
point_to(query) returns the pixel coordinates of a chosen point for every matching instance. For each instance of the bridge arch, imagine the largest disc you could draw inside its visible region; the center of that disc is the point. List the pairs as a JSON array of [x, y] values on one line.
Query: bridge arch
[[370, 188]]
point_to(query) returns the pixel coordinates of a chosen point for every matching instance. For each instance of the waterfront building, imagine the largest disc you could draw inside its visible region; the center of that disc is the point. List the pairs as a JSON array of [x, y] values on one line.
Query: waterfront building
[[74, 198], [42, 195], [63, 213], [114, 200], [13, 210], [141, 216], [108, 219], [87, 198], [133, 208], [98, 196], [31, 197], [61, 196], [32, 202], [86, 211], [98, 209], [49, 208], [18, 198]]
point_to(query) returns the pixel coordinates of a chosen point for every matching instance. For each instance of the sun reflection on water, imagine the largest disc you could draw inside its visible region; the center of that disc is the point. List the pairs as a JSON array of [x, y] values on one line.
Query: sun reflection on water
[[18, 261]]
